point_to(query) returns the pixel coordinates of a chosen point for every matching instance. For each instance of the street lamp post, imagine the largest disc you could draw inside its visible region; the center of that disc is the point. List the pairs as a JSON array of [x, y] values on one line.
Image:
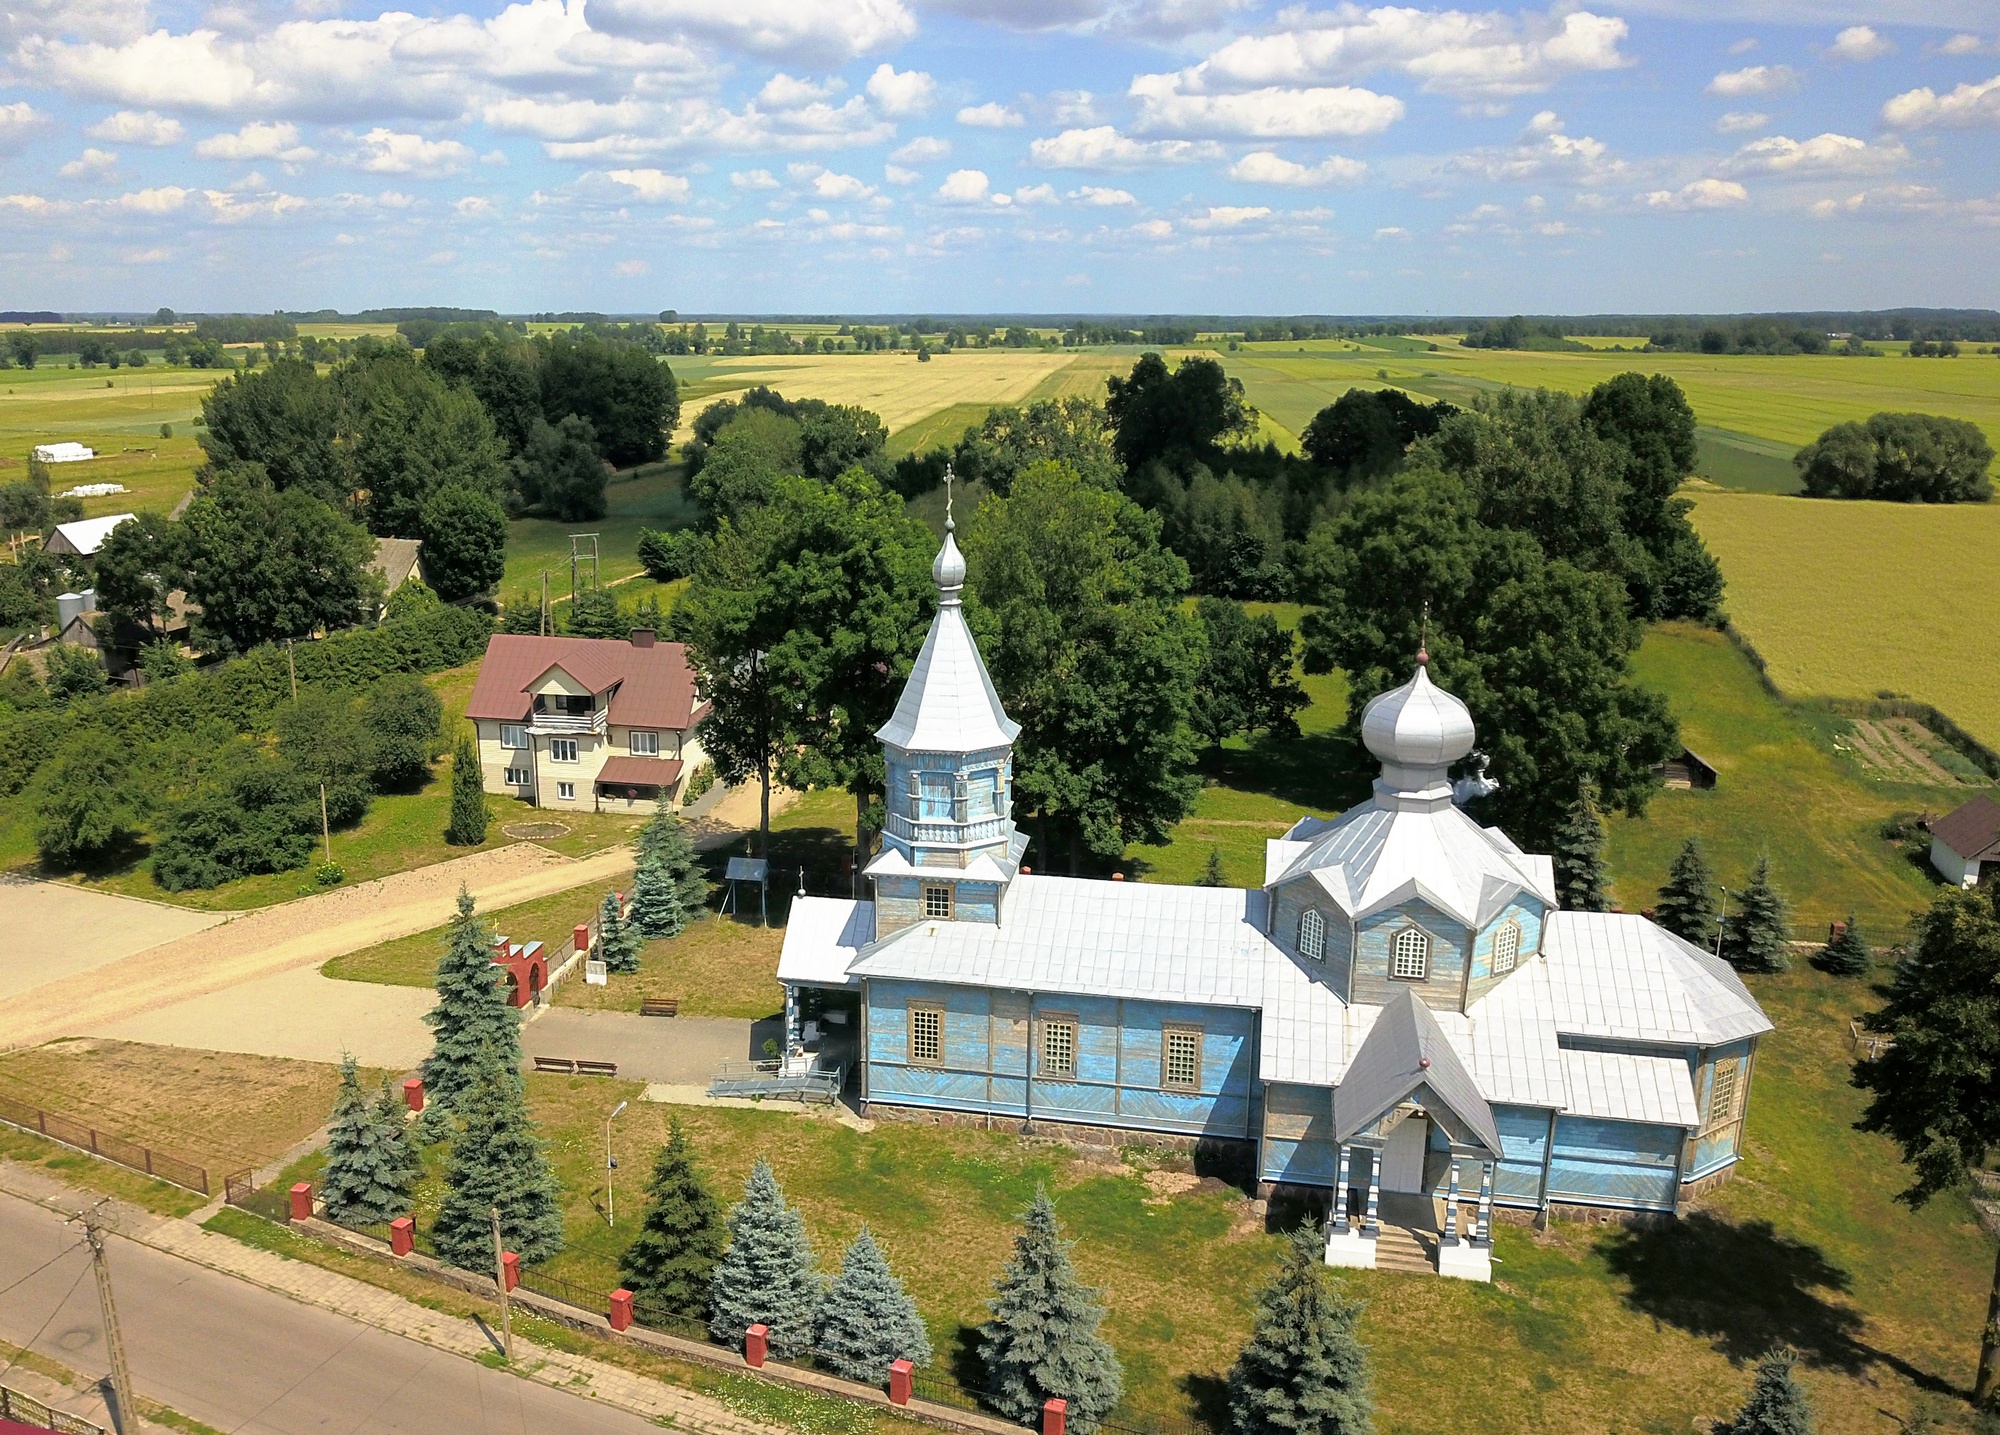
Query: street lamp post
[[610, 1165]]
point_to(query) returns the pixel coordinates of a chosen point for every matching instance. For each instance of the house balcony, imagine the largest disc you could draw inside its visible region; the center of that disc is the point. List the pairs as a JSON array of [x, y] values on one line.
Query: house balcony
[[566, 724]]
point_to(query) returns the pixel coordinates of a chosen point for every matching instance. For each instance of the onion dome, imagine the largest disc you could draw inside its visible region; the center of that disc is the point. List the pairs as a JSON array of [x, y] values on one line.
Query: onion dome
[[1417, 732], [948, 571]]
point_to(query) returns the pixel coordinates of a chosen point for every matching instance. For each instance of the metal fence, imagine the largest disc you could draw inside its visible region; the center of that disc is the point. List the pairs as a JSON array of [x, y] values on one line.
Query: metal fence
[[26, 1410], [85, 1137]]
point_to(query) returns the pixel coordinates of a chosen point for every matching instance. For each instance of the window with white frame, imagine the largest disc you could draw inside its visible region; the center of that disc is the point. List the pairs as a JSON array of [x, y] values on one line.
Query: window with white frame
[[1506, 949], [937, 901], [645, 744], [1312, 935], [562, 749], [1722, 1091], [1180, 1058], [1410, 958], [517, 777], [566, 792], [1059, 1046], [927, 1035], [513, 735]]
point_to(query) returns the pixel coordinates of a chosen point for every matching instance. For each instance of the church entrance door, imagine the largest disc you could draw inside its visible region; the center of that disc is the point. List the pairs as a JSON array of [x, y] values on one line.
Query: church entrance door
[[1403, 1156]]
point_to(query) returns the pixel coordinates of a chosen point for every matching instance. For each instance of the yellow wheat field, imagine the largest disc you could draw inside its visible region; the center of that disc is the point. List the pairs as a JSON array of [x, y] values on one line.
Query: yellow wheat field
[[896, 386], [1849, 599]]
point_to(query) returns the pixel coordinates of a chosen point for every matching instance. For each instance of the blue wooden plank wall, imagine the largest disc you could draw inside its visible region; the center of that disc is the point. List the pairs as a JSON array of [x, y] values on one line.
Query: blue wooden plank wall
[[1524, 1137], [1717, 1144], [1297, 1144], [1292, 900], [1372, 984], [1525, 912], [987, 1054], [1615, 1163]]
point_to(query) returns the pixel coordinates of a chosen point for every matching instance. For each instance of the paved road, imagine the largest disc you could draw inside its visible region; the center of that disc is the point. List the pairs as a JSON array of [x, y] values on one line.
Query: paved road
[[247, 1361]]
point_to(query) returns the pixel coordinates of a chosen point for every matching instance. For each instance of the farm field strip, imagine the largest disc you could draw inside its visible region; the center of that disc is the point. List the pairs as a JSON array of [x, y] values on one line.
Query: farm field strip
[[1841, 598], [896, 387]]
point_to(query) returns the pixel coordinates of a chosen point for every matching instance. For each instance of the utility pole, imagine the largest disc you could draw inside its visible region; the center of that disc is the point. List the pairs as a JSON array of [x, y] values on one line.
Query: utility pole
[[292, 668], [610, 1165], [543, 624], [1722, 923], [500, 1280], [114, 1340]]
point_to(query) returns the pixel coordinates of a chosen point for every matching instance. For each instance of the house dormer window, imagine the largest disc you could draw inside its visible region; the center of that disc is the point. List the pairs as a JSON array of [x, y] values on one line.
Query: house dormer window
[[1312, 935], [1410, 955], [1506, 949], [937, 901]]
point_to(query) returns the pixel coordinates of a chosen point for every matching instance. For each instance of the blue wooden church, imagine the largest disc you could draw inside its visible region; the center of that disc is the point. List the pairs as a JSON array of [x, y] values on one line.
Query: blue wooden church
[[1401, 1016]]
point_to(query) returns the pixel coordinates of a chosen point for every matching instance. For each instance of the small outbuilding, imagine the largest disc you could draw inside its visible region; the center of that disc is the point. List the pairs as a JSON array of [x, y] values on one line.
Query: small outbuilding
[[527, 968], [82, 537], [1965, 844], [1688, 771], [63, 453], [396, 562]]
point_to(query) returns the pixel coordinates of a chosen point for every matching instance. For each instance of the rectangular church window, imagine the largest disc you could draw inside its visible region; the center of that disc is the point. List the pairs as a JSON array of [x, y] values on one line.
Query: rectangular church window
[[1180, 1063], [1059, 1047], [927, 1035], [937, 902], [1722, 1092]]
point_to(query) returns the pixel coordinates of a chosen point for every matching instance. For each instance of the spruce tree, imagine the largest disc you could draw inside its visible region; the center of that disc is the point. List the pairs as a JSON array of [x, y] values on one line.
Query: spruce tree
[[1687, 903], [1211, 875], [1757, 931], [617, 940], [1303, 1372], [370, 1168], [767, 1276], [468, 797], [1579, 857], [1776, 1405], [1848, 954], [669, 888], [672, 1261], [1042, 1342], [867, 1320], [497, 1160], [471, 1014]]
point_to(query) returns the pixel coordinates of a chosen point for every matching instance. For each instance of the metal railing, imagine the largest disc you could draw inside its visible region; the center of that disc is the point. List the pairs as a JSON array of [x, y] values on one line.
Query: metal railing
[[771, 1078], [26, 1410], [544, 723], [85, 1137]]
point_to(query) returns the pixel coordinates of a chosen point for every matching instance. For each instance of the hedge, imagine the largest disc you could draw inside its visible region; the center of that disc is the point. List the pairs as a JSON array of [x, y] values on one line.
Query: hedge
[[245, 693]]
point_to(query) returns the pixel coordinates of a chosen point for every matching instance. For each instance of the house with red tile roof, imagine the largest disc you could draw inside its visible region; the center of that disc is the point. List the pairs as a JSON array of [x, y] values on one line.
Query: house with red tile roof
[[588, 724]]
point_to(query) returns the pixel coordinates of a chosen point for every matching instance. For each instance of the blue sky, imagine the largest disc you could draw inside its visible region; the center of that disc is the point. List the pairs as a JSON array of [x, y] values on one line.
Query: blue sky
[[1000, 155]]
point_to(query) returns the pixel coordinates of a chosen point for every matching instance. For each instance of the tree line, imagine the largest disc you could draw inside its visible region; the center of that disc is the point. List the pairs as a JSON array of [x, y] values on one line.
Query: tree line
[[1903, 458]]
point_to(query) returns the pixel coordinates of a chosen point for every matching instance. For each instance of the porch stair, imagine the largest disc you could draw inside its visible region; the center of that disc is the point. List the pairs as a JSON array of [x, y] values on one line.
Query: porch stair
[[1398, 1248]]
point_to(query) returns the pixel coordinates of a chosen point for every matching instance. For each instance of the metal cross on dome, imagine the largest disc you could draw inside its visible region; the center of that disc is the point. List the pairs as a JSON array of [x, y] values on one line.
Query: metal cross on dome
[[949, 525]]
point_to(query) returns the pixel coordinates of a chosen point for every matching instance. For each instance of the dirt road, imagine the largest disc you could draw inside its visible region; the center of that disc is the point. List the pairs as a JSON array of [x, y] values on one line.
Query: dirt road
[[303, 933]]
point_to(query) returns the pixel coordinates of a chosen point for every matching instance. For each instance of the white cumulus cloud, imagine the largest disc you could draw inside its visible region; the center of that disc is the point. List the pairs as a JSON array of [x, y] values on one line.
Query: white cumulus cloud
[[1860, 42], [1738, 122], [652, 184], [1702, 194], [258, 140], [137, 127], [1103, 198], [1274, 112], [826, 184], [1753, 80], [91, 164], [1821, 155], [990, 116], [18, 122], [921, 149], [823, 32], [163, 200], [1264, 167], [904, 92], [1964, 107], [385, 151], [965, 186], [1103, 147]]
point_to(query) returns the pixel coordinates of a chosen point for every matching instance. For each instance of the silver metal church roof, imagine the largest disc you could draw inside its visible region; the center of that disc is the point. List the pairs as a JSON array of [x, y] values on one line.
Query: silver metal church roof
[[949, 704]]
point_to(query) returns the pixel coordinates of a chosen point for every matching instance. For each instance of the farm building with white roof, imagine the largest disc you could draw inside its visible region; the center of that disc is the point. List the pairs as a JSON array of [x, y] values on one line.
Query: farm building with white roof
[[1401, 1017]]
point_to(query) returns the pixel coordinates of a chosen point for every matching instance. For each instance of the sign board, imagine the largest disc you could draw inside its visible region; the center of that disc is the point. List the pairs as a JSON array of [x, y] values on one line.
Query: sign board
[[595, 974]]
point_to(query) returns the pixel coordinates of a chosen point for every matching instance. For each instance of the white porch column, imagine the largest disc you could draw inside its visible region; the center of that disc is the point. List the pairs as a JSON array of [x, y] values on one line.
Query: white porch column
[[1373, 1222], [791, 1019], [1485, 1236], [1451, 1207], [1340, 1193]]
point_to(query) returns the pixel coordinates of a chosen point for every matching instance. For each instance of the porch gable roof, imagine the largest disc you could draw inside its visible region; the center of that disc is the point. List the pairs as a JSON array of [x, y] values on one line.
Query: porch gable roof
[[1406, 1049]]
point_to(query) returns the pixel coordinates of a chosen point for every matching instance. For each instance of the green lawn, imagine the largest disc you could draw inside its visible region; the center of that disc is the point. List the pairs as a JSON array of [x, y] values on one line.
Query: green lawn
[[646, 497], [942, 429]]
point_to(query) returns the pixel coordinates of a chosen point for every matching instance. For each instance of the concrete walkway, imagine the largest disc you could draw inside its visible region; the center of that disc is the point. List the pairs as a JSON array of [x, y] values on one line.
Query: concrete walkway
[[679, 1051], [249, 1341]]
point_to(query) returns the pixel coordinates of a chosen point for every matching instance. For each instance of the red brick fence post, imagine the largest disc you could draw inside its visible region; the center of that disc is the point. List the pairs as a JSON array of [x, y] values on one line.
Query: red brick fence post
[[756, 1345], [302, 1201], [413, 1093], [899, 1382], [1055, 1414], [402, 1236], [621, 1309]]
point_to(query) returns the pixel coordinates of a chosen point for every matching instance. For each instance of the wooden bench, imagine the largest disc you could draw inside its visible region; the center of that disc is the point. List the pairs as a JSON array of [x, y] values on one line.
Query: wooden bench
[[596, 1068], [561, 1064], [660, 1006], [575, 1066]]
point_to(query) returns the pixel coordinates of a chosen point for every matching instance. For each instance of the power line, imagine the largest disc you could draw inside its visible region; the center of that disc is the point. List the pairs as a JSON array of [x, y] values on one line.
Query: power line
[[40, 1268]]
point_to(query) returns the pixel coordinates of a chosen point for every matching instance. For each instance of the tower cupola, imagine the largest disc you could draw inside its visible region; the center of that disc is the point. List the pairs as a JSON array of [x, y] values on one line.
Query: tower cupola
[[1416, 731]]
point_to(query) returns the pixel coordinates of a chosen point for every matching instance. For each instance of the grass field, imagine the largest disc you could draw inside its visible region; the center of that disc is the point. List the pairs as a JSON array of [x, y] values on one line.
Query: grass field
[[116, 412], [1585, 1328], [1846, 599], [647, 497]]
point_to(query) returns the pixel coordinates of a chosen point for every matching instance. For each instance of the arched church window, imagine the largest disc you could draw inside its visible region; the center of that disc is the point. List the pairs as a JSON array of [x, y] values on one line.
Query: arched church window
[[1411, 958], [1506, 949], [1312, 935]]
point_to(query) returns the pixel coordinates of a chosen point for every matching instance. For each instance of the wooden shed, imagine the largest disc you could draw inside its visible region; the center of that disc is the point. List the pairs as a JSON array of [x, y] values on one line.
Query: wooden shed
[[1688, 771]]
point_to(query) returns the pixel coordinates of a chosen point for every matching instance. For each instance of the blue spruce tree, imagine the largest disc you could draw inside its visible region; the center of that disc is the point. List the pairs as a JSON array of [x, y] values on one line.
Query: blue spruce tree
[[1042, 1342], [668, 889], [672, 1261], [497, 1160], [1303, 1371], [371, 1170], [471, 1016], [1776, 1405], [868, 1320], [767, 1276], [618, 942]]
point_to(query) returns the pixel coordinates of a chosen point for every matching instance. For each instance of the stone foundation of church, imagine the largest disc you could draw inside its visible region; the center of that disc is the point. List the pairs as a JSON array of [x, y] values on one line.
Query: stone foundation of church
[[1206, 1150]]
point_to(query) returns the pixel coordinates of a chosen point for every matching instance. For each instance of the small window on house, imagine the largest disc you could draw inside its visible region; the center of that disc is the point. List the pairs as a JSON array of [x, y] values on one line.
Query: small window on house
[[1312, 935], [516, 777], [926, 1035], [645, 744], [1506, 949], [1722, 1091], [566, 792], [512, 734], [937, 901], [1059, 1048], [1412, 955], [562, 749], [1180, 1058]]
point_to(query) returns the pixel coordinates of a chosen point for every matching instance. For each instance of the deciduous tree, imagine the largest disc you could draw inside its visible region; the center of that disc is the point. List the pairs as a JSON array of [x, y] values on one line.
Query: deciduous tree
[[1246, 681], [85, 809], [264, 564], [465, 542]]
